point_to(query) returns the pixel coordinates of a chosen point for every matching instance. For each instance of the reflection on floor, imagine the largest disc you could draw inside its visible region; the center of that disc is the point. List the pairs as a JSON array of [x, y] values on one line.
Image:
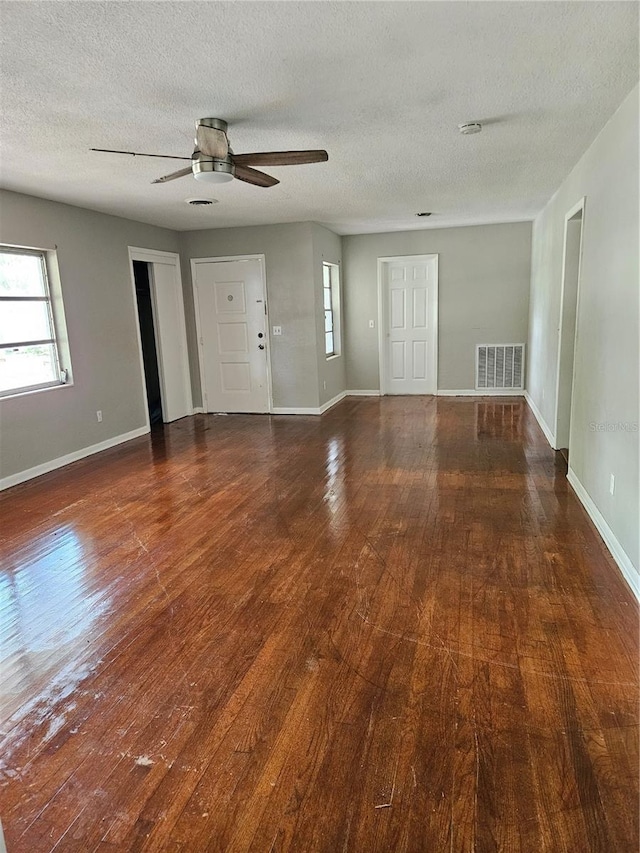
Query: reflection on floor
[[390, 628]]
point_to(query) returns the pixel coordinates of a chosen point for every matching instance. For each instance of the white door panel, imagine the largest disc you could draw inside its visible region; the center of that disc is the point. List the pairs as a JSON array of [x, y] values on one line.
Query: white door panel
[[420, 308], [398, 315], [409, 325], [232, 331], [420, 360], [398, 361]]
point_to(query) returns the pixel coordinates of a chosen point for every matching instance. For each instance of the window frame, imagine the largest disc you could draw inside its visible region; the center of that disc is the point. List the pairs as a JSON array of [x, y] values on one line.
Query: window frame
[[54, 341], [334, 310]]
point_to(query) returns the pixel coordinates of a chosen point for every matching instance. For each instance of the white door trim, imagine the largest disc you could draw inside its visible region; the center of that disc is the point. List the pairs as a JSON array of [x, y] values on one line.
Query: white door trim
[[153, 256], [218, 260], [577, 207], [382, 348]]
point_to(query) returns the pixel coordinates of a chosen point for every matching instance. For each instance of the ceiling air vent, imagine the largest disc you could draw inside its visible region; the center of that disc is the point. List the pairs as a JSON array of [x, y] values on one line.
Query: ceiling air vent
[[500, 366], [201, 202]]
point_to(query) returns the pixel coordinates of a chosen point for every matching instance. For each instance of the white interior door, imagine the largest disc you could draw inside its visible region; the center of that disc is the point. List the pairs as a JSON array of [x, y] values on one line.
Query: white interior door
[[165, 285], [171, 341], [232, 333], [409, 324]]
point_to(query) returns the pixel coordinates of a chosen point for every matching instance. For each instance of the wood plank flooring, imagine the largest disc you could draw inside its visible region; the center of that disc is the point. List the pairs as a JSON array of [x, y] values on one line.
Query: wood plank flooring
[[392, 628]]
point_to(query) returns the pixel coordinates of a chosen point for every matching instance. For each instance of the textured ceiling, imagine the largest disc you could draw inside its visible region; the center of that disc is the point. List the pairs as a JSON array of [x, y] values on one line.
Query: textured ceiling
[[382, 86]]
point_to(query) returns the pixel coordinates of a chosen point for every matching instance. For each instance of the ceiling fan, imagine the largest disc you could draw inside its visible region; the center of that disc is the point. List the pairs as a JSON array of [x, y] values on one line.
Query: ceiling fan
[[213, 160]]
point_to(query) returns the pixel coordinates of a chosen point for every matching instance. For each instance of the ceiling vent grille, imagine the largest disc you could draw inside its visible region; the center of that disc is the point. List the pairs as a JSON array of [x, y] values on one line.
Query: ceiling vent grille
[[500, 366], [201, 202]]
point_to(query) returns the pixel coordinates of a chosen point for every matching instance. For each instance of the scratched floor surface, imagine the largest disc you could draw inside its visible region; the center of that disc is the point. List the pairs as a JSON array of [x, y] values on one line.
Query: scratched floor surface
[[391, 628]]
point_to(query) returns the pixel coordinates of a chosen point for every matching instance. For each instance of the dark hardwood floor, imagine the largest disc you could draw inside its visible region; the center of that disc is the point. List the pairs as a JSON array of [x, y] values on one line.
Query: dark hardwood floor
[[392, 628]]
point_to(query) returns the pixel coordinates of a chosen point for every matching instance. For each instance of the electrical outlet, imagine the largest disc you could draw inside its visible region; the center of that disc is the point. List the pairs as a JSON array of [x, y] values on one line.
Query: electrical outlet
[[612, 485], [277, 330], [372, 324], [99, 416]]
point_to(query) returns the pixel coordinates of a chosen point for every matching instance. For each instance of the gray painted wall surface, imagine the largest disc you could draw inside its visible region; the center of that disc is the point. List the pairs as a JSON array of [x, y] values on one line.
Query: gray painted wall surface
[[484, 276], [327, 246], [101, 323], [290, 294], [606, 356]]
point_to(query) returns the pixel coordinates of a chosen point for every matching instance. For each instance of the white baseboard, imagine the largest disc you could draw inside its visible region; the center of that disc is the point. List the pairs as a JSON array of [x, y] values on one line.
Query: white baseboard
[[61, 461], [617, 551], [310, 410], [332, 402], [362, 393], [474, 392], [296, 410], [541, 421]]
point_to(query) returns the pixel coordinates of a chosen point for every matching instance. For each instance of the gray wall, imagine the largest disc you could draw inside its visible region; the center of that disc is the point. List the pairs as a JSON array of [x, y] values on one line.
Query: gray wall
[[101, 323], [483, 295], [290, 295], [327, 246], [606, 356]]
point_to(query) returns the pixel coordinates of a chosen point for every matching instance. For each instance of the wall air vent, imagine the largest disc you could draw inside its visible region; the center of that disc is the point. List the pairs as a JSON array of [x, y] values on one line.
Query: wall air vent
[[500, 366]]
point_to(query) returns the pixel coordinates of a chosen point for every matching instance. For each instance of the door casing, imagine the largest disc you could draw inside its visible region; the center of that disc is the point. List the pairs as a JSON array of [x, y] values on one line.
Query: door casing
[[155, 257], [560, 432], [383, 318], [231, 259]]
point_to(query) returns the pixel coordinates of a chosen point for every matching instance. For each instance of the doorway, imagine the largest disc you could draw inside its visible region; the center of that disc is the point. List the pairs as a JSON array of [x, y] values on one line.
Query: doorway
[[148, 341], [573, 227], [408, 324], [232, 326], [162, 337]]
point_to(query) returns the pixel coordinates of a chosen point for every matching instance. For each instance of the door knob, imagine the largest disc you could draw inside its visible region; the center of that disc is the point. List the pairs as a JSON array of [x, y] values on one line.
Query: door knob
[[260, 346], [260, 335]]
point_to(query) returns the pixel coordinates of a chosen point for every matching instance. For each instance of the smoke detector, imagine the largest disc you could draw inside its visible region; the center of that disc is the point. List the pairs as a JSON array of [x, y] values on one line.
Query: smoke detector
[[201, 202], [470, 127]]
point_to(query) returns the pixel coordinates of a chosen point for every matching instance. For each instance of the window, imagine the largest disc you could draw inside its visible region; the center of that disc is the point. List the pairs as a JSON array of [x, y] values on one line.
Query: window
[[331, 295], [29, 355]]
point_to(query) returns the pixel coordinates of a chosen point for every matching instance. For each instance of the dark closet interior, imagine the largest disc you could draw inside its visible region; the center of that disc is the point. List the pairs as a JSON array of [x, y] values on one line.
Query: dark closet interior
[[148, 338]]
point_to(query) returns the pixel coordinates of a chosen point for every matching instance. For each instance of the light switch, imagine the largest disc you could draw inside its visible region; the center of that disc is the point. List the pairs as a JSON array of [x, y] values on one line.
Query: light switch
[[372, 324]]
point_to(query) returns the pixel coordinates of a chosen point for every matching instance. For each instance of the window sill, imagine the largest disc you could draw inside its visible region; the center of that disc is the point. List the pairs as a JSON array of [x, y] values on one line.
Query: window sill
[[29, 392], [333, 357]]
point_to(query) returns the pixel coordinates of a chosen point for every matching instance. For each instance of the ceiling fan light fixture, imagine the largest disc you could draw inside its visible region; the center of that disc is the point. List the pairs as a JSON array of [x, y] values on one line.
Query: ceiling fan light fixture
[[211, 137], [213, 162], [213, 171]]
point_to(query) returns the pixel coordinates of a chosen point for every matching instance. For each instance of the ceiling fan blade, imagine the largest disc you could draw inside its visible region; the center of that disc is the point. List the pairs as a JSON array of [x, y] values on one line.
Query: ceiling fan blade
[[280, 158], [181, 173], [139, 154], [253, 176], [212, 142]]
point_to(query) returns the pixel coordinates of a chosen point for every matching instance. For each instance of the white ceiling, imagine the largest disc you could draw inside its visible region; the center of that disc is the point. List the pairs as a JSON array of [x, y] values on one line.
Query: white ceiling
[[381, 85]]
